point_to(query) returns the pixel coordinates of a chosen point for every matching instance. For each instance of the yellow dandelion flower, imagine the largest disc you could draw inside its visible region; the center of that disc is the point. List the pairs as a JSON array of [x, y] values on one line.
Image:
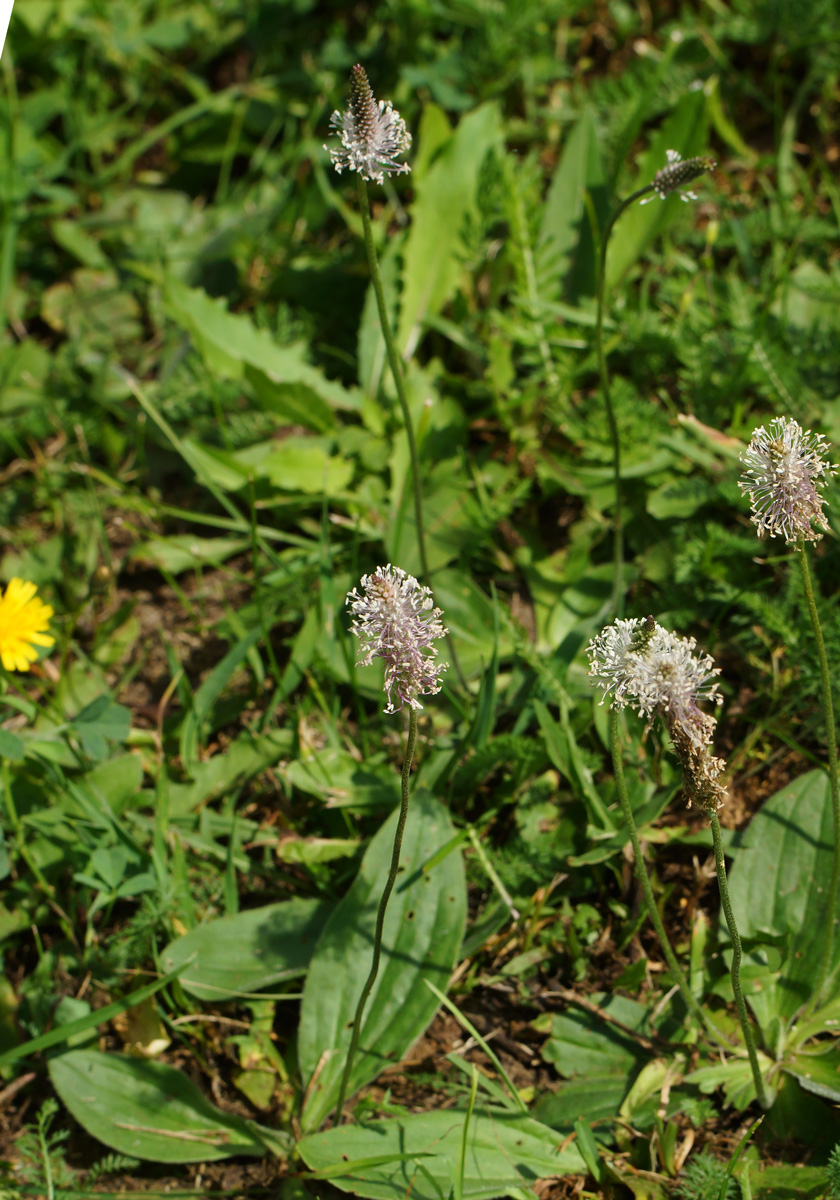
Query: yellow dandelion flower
[[24, 620]]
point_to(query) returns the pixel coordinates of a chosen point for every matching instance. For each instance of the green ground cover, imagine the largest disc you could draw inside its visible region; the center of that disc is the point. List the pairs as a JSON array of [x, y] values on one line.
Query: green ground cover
[[202, 451]]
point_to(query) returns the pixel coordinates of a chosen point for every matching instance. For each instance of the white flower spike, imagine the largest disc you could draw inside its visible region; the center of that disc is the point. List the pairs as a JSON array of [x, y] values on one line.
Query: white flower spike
[[395, 619], [785, 472], [658, 673], [655, 671], [372, 133]]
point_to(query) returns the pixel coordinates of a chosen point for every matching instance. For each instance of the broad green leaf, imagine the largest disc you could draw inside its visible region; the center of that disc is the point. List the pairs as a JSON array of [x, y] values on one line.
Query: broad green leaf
[[242, 759], [581, 1043], [818, 1073], [779, 882], [724, 127], [248, 951], [505, 1155], [734, 1076], [680, 498], [423, 930], [296, 403], [311, 850], [23, 370], [566, 249], [71, 236], [100, 722], [787, 1183], [434, 132], [149, 1110], [185, 552], [445, 199], [799, 1115], [685, 131], [338, 778], [811, 297], [11, 746], [230, 343], [216, 466], [117, 780], [595, 1098], [306, 465]]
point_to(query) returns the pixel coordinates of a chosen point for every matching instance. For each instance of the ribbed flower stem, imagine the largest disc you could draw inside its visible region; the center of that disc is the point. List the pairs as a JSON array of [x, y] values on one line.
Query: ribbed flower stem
[[735, 973], [834, 782], [399, 384], [380, 915], [612, 426], [644, 882]]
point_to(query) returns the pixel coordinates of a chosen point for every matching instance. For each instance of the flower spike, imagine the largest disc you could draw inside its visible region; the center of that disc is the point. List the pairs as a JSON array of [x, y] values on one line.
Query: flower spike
[[783, 477], [372, 133], [395, 619], [678, 172], [658, 673]]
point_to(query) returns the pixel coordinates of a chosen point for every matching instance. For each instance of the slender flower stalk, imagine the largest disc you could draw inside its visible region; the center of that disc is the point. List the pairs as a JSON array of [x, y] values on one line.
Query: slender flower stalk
[[735, 973], [643, 879], [380, 916], [785, 473], [665, 182], [394, 619], [639, 663], [395, 364], [372, 135]]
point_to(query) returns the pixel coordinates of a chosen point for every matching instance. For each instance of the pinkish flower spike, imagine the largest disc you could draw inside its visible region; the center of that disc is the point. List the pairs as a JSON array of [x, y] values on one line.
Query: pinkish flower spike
[[658, 673], [783, 477], [395, 619]]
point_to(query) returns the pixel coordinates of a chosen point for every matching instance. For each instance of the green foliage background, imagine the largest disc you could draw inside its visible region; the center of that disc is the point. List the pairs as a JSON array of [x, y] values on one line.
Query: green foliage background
[[201, 452]]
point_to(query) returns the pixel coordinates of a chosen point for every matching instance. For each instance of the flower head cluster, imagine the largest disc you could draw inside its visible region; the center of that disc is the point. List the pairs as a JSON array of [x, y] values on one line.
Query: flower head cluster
[[372, 133], [784, 473], [678, 172], [394, 619], [24, 621], [659, 674]]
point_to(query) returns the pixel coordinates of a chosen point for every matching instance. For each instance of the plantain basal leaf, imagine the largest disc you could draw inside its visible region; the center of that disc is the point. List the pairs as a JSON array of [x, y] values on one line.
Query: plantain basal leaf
[[423, 930]]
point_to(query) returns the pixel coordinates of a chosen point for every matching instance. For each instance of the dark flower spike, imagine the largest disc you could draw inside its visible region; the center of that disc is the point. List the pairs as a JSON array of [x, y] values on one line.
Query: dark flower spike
[[372, 133], [677, 173]]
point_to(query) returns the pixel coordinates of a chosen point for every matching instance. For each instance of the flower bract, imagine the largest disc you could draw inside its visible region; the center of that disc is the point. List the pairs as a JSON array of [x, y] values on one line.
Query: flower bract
[[785, 471], [394, 619], [372, 133], [24, 621]]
